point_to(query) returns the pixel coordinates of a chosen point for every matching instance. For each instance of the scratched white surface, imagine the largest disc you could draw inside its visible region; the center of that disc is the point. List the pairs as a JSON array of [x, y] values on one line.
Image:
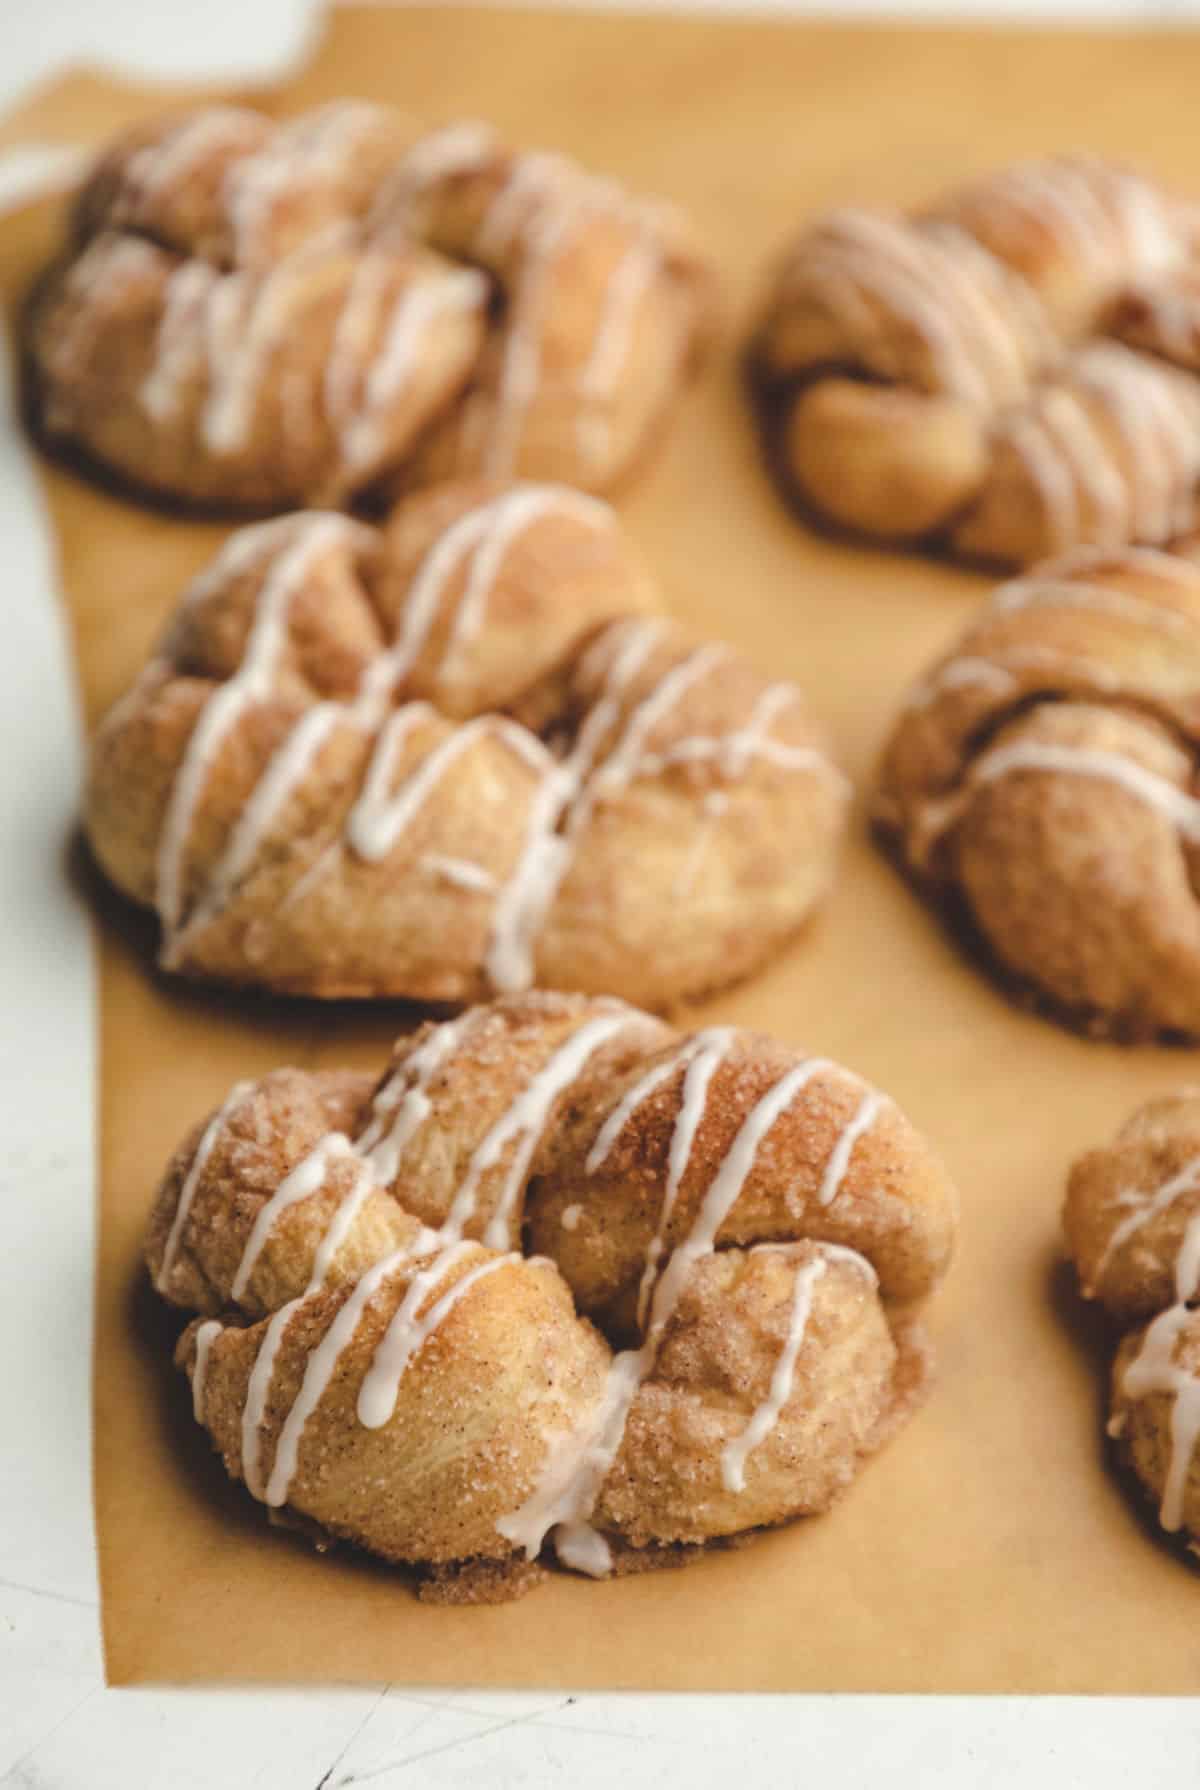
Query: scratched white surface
[[60, 1727]]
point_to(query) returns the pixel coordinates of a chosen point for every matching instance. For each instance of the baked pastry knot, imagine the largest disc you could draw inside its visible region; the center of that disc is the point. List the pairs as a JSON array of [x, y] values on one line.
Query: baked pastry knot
[[260, 315], [1132, 1220], [1040, 785], [562, 1280], [1010, 373], [427, 760]]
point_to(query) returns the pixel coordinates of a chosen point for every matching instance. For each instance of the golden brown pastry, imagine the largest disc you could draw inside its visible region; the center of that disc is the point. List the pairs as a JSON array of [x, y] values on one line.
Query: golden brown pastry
[[1040, 784], [991, 375], [1132, 1220], [562, 1283], [260, 315], [456, 756]]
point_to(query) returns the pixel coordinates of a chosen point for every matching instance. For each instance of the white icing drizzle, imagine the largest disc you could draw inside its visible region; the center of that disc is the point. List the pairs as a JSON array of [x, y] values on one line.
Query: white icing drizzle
[[571, 1215], [498, 526], [402, 1104], [631, 1101], [1155, 562], [1077, 593], [408, 1331], [455, 150], [258, 1391], [520, 1128], [537, 211], [179, 344], [839, 1157], [248, 332], [318, 1371], [1051, 474], [481, 538], [702, 1055], [565, 1494], [526, 897], [1158, 421], [251, 683], [96, 283], [421, 306], [340, 1224], [305, 1179], [521, 361], [1146, 1207], [225, 328], [574, 787], [155, 168], [381, 814], [1102, 214], [1154, 1369], [1173, 803], [285, 770], [1112, 448], [205, 1337], [629, 284], [1101, 485], [460, 872], [949, 298], [311, 149], [964, 673], [766, 1415], [187, 1192]]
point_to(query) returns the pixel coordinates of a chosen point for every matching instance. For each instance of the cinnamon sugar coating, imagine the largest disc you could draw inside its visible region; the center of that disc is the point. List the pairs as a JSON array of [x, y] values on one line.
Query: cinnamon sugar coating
[[1132, 1223], [456, 756], [391, 1342], [259, 315], [1008, 373], [1040, 784]]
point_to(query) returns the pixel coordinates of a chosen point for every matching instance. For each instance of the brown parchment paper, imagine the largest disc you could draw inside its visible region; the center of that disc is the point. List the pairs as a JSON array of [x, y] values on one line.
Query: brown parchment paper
[[989, 1548]]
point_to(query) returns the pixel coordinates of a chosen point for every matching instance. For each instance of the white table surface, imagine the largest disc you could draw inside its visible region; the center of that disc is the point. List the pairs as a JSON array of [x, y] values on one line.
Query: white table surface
[[61, 1728]]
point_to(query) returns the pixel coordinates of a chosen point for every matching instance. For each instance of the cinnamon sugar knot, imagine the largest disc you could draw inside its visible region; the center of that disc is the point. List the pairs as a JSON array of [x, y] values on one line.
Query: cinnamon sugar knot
[[1010, 373], [1040, 786], [1132, 1221], [562, 1283], [261, 315], [424, 761]]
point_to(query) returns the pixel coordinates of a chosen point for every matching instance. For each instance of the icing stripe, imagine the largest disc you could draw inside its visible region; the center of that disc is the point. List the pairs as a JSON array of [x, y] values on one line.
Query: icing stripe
[[187, 1192]]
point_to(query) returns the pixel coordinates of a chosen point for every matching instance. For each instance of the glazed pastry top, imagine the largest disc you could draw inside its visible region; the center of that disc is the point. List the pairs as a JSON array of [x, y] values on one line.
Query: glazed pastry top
[[1008, 371], [251, 313], [745, 1225], [458, 755]]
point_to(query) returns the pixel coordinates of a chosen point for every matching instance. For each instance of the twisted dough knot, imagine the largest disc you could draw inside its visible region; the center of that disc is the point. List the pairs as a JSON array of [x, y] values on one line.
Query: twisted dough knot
[[992, 374], [1132, 1221], [749, 1229], [1043, 779], [261, 315], [421, 761]]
